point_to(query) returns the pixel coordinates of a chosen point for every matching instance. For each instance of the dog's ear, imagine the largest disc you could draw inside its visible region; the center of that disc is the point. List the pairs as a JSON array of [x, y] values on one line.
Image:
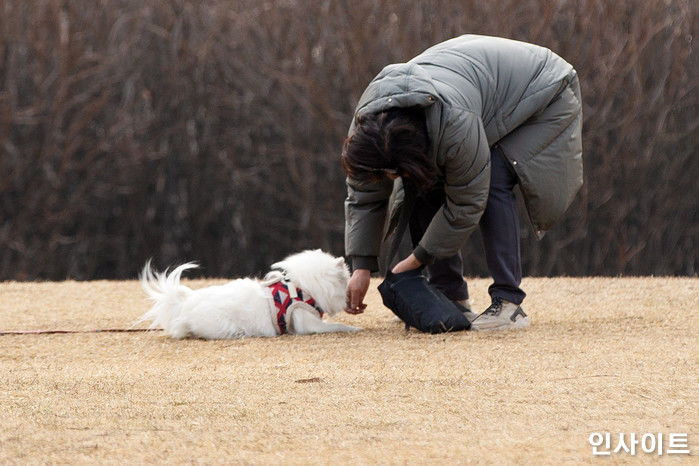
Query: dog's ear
[[278, 266], [340, 261]]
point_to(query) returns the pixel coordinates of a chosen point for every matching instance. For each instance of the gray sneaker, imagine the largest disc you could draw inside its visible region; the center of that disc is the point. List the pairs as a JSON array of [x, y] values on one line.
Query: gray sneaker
[[501, 315], [465, 308]]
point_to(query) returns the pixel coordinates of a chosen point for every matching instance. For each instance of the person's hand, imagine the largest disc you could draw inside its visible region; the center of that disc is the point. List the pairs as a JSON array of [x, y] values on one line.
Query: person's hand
[[406, 264], [356, 290]]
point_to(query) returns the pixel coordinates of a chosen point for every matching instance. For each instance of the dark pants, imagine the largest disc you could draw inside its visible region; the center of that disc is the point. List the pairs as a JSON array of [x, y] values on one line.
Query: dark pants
[[499, 228]]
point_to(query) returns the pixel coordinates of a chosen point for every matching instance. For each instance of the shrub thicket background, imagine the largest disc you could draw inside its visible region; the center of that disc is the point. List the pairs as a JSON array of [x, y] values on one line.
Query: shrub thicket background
[[211, 130]]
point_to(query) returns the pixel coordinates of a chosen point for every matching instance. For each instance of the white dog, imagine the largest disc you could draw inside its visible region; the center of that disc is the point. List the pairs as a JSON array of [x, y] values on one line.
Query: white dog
[[292, 298]]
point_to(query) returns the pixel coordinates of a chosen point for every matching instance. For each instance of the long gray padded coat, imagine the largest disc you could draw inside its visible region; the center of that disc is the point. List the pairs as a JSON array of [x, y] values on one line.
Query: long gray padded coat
[[476, 91]]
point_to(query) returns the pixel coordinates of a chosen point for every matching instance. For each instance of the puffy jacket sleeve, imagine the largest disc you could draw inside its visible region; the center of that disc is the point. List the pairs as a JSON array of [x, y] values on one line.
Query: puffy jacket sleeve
[[467, 179], [365, 216]]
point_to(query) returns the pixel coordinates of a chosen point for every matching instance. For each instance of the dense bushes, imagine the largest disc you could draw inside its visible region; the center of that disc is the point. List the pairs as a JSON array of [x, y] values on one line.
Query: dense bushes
[[210, 130]]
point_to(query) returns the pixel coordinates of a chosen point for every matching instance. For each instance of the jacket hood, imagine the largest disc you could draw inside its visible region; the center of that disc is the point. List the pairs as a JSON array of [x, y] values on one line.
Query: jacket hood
[[403, 85], [398, 85]]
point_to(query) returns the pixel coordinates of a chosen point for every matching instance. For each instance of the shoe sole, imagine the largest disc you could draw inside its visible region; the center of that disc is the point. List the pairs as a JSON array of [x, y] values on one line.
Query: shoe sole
[[508, 325]]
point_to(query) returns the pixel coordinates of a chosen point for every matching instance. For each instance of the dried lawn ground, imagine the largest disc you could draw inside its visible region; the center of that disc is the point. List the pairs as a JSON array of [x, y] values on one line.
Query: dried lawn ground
[[603, 354]]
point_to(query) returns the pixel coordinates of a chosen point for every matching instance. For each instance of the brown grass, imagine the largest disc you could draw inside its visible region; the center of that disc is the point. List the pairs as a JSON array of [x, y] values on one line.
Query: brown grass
[[602, 355]]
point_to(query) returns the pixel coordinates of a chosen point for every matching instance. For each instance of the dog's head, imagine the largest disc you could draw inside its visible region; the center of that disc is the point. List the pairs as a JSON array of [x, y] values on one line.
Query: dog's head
[[320, 274]]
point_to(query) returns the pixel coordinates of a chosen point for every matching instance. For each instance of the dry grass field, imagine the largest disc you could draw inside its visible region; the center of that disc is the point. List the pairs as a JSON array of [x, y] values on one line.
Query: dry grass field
[[602, 354]]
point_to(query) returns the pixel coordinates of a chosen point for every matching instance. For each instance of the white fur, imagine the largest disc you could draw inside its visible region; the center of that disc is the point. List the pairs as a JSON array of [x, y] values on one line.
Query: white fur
[[245, 307]]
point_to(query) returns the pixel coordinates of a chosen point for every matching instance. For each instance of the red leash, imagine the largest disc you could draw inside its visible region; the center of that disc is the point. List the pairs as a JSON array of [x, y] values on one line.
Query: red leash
[[98, 330]]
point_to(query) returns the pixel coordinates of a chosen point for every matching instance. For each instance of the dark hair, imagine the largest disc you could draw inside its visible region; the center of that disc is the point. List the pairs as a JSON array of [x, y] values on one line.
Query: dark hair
[[392, 140]]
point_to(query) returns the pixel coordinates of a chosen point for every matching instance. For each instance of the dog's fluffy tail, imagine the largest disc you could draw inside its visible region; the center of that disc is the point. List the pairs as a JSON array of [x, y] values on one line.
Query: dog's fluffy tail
[[168, 295]]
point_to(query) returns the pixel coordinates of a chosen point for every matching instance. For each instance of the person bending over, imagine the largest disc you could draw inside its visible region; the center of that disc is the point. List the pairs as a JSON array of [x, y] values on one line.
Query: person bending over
[[461, 124]]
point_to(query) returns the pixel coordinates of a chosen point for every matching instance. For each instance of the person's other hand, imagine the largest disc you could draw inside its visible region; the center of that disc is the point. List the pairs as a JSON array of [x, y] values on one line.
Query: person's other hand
[[406, 264], [356, 290]]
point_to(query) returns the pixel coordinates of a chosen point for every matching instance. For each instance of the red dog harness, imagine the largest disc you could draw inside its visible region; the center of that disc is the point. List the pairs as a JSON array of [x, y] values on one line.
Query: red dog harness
[[283, 298]]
